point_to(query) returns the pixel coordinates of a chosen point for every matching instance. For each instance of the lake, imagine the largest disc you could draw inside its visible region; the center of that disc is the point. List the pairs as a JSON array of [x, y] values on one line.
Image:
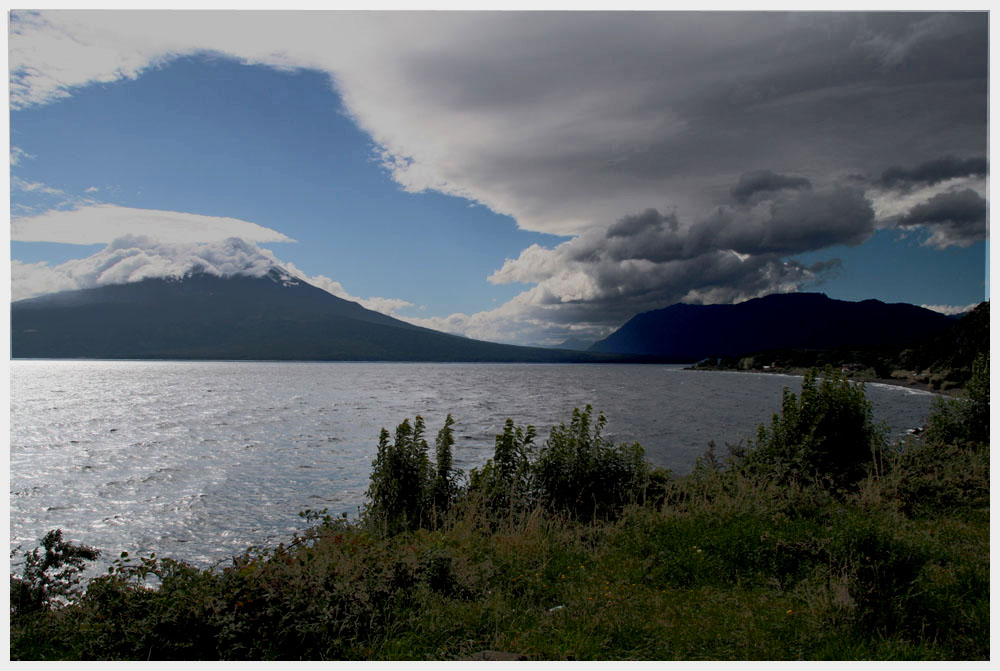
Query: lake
[[199, 460]]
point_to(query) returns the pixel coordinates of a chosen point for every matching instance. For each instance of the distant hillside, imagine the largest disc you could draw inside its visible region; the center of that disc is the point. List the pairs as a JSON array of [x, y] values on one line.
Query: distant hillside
[[808, 321], [259, 318], [942, 361], [953, 349]]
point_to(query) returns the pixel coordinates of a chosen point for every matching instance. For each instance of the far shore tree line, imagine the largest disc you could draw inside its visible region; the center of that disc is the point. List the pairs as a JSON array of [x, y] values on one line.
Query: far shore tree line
[[943, 362]]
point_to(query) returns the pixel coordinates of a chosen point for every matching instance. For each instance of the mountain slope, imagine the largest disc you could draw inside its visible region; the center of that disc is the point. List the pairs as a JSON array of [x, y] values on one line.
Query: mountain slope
[[686, 333], [239, 317]]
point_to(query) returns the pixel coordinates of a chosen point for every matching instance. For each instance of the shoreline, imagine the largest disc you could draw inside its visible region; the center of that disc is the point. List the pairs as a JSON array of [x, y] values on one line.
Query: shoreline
[[908, 383]]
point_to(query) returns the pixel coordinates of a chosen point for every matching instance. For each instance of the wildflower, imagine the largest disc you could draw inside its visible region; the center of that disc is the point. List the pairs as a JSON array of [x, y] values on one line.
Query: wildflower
[[788, 612]]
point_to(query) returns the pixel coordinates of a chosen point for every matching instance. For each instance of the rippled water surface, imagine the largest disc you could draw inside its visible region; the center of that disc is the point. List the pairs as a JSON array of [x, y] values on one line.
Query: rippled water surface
[[200, 460]]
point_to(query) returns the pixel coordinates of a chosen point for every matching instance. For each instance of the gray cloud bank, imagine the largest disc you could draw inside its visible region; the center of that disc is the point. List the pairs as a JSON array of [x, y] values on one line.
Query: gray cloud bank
[[735, 252], [933, 172], [690, 155], [954, 217]]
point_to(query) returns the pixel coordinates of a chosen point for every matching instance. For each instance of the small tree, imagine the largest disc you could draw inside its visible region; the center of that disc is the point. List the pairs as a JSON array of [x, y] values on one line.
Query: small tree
[[826, 432], [49, 577], [445, 487], [398, 492], [504, 483], [406, 491]]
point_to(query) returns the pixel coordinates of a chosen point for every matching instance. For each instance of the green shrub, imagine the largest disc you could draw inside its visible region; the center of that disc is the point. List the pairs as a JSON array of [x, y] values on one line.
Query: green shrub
[[929, 478], [965, 419], [948, 467], [581, 472], [445, 487], [397, 493], [825, 434], [505, 483], [406, 491]]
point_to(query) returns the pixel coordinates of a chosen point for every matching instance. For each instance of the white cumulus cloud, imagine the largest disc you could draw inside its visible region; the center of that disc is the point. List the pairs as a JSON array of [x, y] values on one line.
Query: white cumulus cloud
[[133, 258], [23, 185], [35, 279], [388, 306], [96, 224], [951, 309], [16, 154]]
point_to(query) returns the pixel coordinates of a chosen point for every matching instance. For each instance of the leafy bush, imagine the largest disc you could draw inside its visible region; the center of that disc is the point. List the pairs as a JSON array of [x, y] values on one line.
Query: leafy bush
[[506, 482], [581, 472], [928, 478], [965, 419], [397, 492], [826, 433], [948, 467], [406, 491]]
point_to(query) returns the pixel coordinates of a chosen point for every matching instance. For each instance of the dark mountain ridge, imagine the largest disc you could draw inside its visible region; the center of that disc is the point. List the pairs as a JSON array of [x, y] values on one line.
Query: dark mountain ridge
[[686, 333], [274, 317]]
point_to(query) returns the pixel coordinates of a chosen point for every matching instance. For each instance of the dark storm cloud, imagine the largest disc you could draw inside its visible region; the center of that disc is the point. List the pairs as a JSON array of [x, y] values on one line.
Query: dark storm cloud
[[933, 172], [651, 219], [813, 220], [789, 222], [764, 181], [569, 120], [954, 218]]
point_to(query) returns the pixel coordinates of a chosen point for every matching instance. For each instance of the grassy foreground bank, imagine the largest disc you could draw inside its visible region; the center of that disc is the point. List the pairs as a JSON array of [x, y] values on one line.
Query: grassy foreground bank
[[817, 541]]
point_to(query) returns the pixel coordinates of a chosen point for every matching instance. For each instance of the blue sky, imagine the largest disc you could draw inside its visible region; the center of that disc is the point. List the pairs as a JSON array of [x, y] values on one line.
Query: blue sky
[[510, 177], [193, 136]]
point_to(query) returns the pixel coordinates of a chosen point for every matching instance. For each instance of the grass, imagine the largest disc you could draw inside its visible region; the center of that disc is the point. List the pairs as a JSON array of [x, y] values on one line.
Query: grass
[[850, 583]]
